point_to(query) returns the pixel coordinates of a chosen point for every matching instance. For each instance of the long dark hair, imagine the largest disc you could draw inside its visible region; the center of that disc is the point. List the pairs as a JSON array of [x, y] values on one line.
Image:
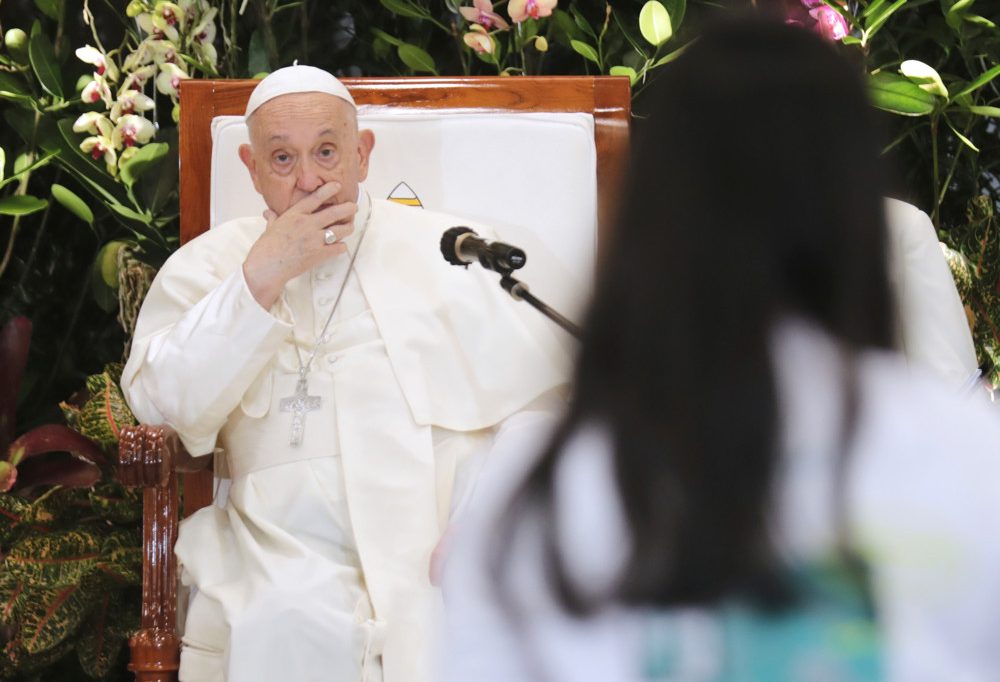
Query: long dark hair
[[755, 194]]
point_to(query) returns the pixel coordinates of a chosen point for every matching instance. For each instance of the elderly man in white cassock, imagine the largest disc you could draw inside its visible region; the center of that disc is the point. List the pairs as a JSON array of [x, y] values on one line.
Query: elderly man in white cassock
[[352, 379]]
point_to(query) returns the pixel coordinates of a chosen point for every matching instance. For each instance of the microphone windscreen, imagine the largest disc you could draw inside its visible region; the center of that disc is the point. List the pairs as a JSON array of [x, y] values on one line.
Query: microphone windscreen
[[449, 242]]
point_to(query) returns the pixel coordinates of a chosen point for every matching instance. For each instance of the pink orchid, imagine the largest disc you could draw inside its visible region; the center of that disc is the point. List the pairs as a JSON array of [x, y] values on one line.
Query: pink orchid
[[482, 13], [519, 10], [829, 23], [479, 40]]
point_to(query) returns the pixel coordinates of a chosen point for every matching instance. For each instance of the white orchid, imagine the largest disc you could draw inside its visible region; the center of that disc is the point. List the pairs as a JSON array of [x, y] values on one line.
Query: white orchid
[[132, 130], [129, 102], [137, 79], [171, 13], [101, 145], [94, 123], [158, 26], [169, 80], [96, 90], [162, 51], [104, 64]]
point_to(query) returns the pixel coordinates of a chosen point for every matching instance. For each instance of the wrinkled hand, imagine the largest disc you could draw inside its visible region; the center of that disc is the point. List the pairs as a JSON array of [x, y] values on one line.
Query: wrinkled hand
[[293, 242]]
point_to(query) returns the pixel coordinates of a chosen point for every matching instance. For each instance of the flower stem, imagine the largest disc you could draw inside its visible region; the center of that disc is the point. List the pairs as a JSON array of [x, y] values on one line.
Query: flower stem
[[936, 174]]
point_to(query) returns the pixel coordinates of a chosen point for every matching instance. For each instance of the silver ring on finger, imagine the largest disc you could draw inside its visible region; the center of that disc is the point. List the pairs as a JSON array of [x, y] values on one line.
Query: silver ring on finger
[[329, 236]]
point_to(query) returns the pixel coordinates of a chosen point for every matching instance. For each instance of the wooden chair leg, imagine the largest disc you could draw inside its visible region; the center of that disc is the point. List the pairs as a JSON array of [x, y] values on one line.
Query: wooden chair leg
[[155, 648]]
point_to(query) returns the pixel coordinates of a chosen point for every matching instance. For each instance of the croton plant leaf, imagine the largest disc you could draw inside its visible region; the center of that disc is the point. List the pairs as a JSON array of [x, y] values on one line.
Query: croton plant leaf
[[105, 411], [105, 632], [114, 502], [54, 560], [52, 615], [121, 556]]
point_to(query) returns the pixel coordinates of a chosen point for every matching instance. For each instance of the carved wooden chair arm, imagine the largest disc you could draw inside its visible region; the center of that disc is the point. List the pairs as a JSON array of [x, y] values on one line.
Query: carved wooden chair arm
[[148, 454], [150, 457]]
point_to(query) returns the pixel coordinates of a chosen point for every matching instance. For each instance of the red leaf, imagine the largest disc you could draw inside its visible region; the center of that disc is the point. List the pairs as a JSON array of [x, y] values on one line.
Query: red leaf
[[55, 468], [54, 438], [15, 338]]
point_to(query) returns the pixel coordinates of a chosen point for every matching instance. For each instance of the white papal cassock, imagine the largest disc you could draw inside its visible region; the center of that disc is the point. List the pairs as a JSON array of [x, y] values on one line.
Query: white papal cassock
[[316, 568]]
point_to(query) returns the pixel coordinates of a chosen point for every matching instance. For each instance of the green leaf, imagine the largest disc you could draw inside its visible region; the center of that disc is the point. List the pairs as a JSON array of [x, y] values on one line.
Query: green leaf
[[114, 502], [58, 559], [625, 71], [899, 95], [154, 190], [257, 61], [966, 141], [23, 164], [392, 40], [105, 632], [11, 86], [53, 9], [416, 58], [981, 21], [52, 615], [654, 23], [985, 111], [566, 25], [72, 203], [127, 212], [43, 61], [956, 13], [979, 82], [121, 553], [676, 9], [15, 512], [147, 157], [405, 9], [873, 8], [879, 21], [582, 23], [667, 58], [585, 50], [21, 205]]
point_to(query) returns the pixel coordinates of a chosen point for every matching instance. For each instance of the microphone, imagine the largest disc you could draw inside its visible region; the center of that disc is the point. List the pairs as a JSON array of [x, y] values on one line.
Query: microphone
[[461, 246]]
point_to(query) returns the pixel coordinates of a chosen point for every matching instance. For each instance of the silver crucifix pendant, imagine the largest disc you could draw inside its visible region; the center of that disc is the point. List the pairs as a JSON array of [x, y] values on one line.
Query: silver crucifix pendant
[[298, 404]]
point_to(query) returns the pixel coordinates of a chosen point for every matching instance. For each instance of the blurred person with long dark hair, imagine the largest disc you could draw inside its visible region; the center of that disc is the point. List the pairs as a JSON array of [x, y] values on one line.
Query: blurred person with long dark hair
[[749, 483]]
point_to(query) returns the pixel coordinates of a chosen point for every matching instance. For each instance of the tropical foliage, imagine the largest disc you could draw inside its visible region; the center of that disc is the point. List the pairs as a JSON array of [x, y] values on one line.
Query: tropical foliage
[[88, 211]]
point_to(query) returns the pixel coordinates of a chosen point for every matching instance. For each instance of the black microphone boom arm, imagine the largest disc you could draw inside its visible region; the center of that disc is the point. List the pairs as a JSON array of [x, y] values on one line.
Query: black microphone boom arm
[[462, 246]]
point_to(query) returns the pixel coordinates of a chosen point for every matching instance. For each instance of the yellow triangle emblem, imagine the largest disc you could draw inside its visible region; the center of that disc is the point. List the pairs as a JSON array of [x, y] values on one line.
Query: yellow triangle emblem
[[404, 194]]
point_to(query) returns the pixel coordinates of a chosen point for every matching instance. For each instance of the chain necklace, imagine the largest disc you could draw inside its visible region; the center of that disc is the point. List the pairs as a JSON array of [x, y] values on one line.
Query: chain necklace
[[300, 402]]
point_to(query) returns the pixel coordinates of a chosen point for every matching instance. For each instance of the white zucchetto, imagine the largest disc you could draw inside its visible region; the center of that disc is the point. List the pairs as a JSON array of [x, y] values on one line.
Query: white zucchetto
[[294, 79]]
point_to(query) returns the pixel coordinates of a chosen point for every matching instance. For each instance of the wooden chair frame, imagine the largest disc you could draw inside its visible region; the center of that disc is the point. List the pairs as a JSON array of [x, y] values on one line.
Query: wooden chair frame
[[152, 456]]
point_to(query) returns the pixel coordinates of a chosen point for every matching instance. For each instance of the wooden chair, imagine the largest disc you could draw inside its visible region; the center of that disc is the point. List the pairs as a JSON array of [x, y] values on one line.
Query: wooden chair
[[152, 456]]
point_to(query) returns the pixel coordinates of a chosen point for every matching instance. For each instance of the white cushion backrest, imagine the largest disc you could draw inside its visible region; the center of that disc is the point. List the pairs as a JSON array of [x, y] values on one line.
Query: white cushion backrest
[[532, 176]]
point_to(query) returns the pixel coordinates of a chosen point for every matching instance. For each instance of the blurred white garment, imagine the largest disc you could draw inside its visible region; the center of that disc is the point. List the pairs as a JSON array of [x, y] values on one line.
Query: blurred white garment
[[933, 330], [923, 506]]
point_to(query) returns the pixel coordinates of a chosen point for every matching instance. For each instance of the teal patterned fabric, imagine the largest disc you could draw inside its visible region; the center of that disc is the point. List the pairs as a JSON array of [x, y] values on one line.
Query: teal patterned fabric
[[830, 635]]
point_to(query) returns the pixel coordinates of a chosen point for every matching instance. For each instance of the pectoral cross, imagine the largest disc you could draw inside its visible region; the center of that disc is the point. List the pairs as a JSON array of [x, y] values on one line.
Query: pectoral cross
[[298, 404]]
